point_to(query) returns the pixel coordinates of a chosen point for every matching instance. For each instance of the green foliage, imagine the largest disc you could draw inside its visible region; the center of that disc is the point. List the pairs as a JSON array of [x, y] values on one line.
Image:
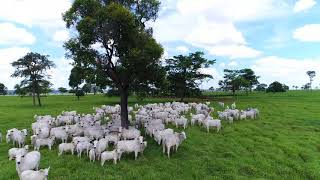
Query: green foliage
[[3, 89], [76, 77], [141, 96], [250, 78], [261, 87], [306, 86], [232, 81], [113, 92], [311, 75], [277, 87], [235, 80], [184, 75], [32, 68], [79, 93], [86, 88], [20, 90], [211, 88], [72, 91], [128, 56], [45, 87], [295, 87], [62, 90]]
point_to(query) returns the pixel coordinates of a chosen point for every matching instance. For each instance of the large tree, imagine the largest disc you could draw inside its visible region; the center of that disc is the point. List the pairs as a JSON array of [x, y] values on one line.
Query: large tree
[[277, 87], [238, 79], [185, 75], [32, 68], [232, 81], [113, 42], [250, 77], [3, 89], [311, 75]]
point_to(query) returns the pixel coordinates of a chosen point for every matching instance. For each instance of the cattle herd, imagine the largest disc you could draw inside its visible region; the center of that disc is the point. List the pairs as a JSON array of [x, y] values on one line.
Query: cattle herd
[[101, 137]]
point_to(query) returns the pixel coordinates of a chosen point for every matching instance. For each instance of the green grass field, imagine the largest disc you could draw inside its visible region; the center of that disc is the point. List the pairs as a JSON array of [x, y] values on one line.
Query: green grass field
[[283, 144]]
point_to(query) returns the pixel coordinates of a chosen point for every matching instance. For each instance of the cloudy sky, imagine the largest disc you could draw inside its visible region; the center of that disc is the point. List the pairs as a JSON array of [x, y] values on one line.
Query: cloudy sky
[[278, 39]]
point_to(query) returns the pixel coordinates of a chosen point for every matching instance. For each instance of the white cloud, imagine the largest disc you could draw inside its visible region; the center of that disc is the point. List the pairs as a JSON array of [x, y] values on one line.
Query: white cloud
[[234, 11], [12, 35], [7, 56], [288, 71], [211, 23], [182, 49], [302, 5], [212, 82], [222, 65], [233, 63], [234, 51], [212, 33], [61, 36], [44, 13], [60, 74], [308, 33]]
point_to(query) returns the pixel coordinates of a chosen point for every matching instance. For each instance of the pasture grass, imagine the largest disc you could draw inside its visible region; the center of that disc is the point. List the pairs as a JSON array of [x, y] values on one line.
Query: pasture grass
[[283, 144]]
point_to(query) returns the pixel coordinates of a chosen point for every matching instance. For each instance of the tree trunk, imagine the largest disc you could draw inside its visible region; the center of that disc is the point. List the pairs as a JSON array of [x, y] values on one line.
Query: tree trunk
[[37, 91], [183, 94], [124, 107], [77, 93], [39, 101], [34, 94]]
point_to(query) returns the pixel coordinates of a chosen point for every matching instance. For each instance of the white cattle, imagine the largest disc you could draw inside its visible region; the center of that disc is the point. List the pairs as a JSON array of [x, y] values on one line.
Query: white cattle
[[207, 123], [128, 146], [42, 174], [173, 140], [109, 155], [13, 152], [29, 161], [65, 147]]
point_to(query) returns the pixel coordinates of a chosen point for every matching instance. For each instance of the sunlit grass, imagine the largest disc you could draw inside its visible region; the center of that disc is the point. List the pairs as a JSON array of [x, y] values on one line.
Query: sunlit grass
[[283, 144]]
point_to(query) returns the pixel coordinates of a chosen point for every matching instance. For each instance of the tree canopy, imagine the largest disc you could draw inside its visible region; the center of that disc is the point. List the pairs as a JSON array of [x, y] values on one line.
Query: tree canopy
[[261, 87], [277, 87], [185, 75], [62, 90], [235, 80], [3, 89], [20, 90], [249, 76], [311, 75], [32, 68], [113, 45], [86, 88]]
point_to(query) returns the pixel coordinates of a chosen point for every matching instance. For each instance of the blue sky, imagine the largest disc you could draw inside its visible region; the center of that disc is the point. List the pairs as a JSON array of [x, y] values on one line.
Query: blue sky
[[278, 39]]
